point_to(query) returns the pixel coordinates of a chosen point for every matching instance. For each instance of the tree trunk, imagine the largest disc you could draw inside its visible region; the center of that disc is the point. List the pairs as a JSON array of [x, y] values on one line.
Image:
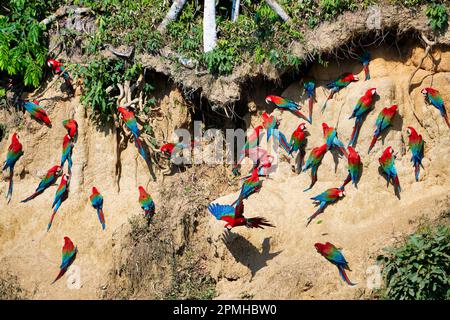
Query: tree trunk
[[173, 13], [235, 10], [209, 25], [278, 9]]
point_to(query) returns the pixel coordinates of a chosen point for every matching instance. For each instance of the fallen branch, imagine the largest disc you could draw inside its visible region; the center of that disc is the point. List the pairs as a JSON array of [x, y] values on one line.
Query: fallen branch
[[64, 11], [278, 9]]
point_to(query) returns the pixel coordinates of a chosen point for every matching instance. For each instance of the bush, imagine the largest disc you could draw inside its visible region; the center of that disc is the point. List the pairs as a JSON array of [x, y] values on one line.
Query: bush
[[437, 15], [419, 269], [331, 8]]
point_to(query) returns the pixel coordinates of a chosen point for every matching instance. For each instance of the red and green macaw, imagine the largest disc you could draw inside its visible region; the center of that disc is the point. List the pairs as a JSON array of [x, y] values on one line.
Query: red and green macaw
[[324, 199], [50, 178], [69, 252], [234, 216], [67, 152], [15, 151], [362, 108], [169, 148], [433, 96], [416, 145], [332, 140], [252, 142], [147, 203], [298, 139], [270, 123], [387, 163], [97, 202], [384, 120], [343, 81], [72, 128], [354, 167], [130, 121], [58, 69], [286, 104], [365, 59], [36, 111], [335, 256], [313, 162], [249, 186], [310, 87], [61, 195]]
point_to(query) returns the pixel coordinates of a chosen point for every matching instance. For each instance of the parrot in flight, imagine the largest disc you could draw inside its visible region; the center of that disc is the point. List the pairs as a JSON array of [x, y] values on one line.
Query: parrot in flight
[[335, 256], [269, 123], [383, 121], [97, 202], [387, 163], [286, 104], [15, 151], [130, 121], [343, 81], [298, 143], [72, 128], [325, 198], [234, 216], [36, 111], [58, 69], [310, 87], [50, 178], [354, 167], [61, 195], [147, 203], [313, 162], [365, 59], [362, 108], [332, 140], [416, 145], [69, 252], [433, 96], [252, 142], [67, 152], [249, 186]]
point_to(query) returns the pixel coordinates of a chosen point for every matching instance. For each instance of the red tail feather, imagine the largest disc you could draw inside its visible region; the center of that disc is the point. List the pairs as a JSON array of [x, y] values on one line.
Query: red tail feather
[[344, 276], [310, 103], [446, 121], [374, 140]]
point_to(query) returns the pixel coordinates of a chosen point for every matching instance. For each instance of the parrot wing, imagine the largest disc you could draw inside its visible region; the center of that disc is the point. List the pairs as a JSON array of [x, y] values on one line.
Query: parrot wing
[[220, 211]]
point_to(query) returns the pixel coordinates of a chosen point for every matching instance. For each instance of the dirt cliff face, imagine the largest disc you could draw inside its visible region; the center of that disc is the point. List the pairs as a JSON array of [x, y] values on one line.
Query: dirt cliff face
[[270, 263]]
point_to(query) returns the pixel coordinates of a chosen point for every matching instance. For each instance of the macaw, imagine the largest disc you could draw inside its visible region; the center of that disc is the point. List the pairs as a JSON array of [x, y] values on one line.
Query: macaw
[[335, 256], [61, 195], [72, 128], [50, 178], [343, 81], [130, 121], [383, 121], [332, 140], [354, 167], [269, 123], [97, 202], [365, 59], [313, 162], [387, 163], [147, 203], [15, 151], [249, 186], [298, 143], [286, 104], [67, 152], [169, 148], [325, 198], [416, 145], [69, 252], [433, 96], [36, 111], [58, 68], [252, 142], [234, 216], [281, 140], [310, 90], [362, 108]]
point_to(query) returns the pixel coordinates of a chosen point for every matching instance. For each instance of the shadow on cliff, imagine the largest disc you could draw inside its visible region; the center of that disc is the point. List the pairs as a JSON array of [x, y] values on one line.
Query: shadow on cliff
[[247, 254]]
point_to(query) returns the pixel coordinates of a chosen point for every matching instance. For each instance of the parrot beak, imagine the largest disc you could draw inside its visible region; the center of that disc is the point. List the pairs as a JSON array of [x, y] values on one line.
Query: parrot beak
[[408, 132], [356, 78], [267, 100]]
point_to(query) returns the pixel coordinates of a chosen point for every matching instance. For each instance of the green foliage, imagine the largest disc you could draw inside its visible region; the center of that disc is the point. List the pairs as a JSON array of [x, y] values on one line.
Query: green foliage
[[331, 8], [437, 15], [97, 76], [420, 269], [23, 47]]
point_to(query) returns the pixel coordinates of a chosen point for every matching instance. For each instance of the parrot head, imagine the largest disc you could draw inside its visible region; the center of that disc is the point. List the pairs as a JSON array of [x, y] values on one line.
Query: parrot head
[[393, 108], [319, 247], [50, 62], [15, 138], [325, 127], [94, 190], [122, 110], [354, 77], [258, 129], [142, 191], [228, 226], [410, 131], [269, 99], [428, 90], [341, 193], [57, 170], [371, 92], [302, 126], [167, 148]]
